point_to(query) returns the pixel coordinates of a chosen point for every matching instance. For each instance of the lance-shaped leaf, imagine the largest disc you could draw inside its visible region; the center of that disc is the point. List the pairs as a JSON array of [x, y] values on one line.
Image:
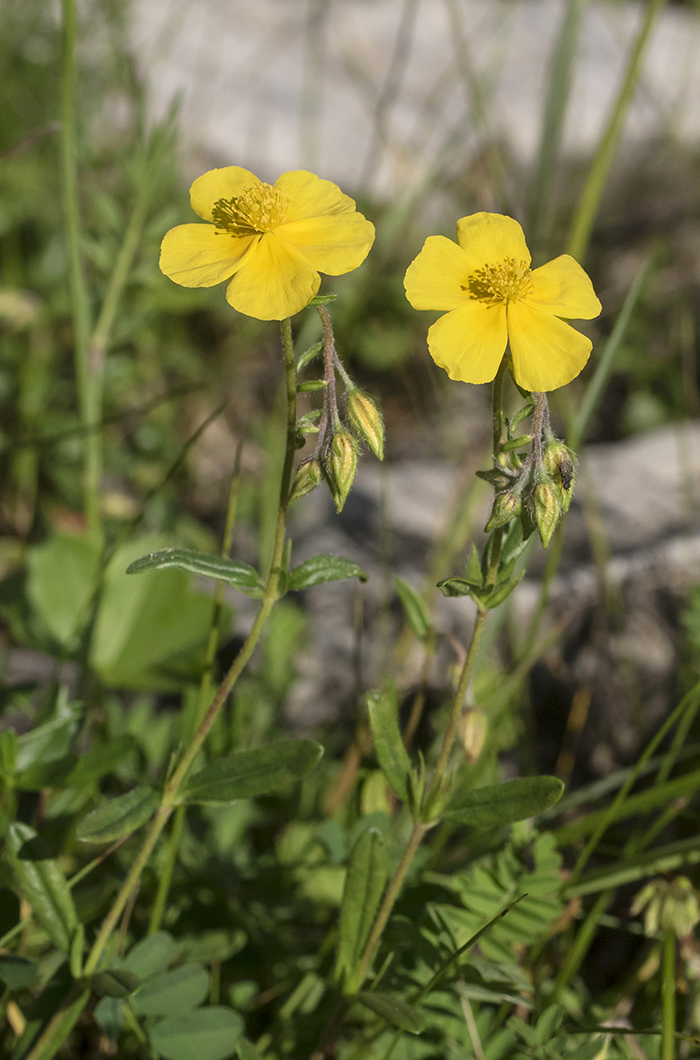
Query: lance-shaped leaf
[[394, 1011], [392, 755], [323, 568], [414, 608], [251, 773], [364, 885], [41, 881], [118, 817], [210, 1033], [499, 804], [242, 575]]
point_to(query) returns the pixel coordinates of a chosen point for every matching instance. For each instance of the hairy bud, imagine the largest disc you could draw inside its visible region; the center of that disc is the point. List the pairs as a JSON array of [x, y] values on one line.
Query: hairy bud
[[340, 466], [366, 421], [547, 510], [505, 507], [560, 462], [307, 478]]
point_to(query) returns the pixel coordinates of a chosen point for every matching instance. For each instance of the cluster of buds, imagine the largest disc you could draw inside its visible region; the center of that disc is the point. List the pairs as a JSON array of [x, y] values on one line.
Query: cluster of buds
[[668, 905], [536, 487], [337, 449]]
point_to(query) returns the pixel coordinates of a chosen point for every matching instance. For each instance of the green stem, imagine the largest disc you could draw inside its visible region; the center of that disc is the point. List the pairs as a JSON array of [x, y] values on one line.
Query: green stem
[[271, 595], [589, 202], [668, 998], [79, 290], [464, 678]]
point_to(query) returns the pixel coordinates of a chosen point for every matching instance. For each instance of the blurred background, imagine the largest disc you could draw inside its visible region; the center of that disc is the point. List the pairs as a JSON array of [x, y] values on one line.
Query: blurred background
[[424, 111]]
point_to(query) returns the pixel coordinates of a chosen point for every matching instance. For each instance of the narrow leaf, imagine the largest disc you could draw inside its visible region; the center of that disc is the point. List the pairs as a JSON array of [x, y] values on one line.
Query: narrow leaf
[[41, 881], [307, 356], [323, 568], [415, 609], [503, 591], [321, 299], [364, 886], [251, 773], [394, 1011], [311, 385], [499, 804], [457, 587], [118, 817], [210, 1033], [173, 992], [242, 575], [392, 755]]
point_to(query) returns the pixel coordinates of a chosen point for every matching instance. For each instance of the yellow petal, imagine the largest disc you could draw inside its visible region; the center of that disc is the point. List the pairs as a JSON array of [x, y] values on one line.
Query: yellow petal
[[469, 342], [438, 276], [334, 244], [201, 255], [312, 197], [488, 238], [563, 288], [217, 184], [547, 353], [275, 281]]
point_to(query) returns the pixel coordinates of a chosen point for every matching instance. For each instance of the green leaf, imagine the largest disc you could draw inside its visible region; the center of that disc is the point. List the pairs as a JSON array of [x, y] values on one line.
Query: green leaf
[[311, 385], [394, 1011], [247, 1051], [415, 609], [173, 992], [320, 299], [151, 955], [100, 761], [17, 972], [242, 575], [8, 753], [59, 999], [41, 881], [457, 587], [62, 575], [393, 757], [207, 946], [115, 982], [499, 804], [109, 1017], [323, 568], [118, 817], [48, 742], [309, 355], [208, 1034], [364, 885], [251, 773], [503, 591]]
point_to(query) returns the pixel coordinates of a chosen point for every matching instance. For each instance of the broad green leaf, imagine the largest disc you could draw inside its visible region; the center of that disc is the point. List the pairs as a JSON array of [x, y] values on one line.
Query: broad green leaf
[[323, 568], [499, 804], [109, 1017], [115, 982], [17, 972], [173, 992], [61, 580], [208, 1034], [415, 609], [100, 761], [46, 743], [364, 885], [151, 632], [41, 881], [394, 1011], [392, 755], [250, 773], [151, 955], [242, 575], [118, 817]]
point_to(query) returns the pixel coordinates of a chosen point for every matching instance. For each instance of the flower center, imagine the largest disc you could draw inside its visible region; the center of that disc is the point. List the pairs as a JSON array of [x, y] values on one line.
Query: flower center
[[257, 209], [505, 281]]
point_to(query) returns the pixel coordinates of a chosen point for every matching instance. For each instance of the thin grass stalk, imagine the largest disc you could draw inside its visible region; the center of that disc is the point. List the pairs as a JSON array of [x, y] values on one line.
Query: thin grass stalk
[[80, 299], [668, 997], [589, 202]]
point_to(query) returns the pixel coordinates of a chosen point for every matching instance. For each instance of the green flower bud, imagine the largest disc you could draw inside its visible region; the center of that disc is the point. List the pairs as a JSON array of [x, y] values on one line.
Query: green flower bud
[[669, 905], [307, 478], [547, 505], [340, 466], [560, 463], [366, 421], [505, 507], [472, 729]]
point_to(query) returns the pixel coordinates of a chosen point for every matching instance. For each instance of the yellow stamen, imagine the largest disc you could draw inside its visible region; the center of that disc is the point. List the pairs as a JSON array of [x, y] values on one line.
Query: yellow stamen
[[505, 281], [257, 209]]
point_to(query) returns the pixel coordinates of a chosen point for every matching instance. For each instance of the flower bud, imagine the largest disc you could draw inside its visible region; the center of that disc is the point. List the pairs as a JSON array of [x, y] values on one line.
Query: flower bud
[[547, 504], [307, 478], [472, 729], [340, 466], [560, 462], [366, 421], [505, 507]]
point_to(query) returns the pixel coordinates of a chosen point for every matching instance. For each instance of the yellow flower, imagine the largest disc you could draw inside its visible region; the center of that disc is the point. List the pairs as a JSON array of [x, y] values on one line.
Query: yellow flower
[[493, 297], [269, 241]]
